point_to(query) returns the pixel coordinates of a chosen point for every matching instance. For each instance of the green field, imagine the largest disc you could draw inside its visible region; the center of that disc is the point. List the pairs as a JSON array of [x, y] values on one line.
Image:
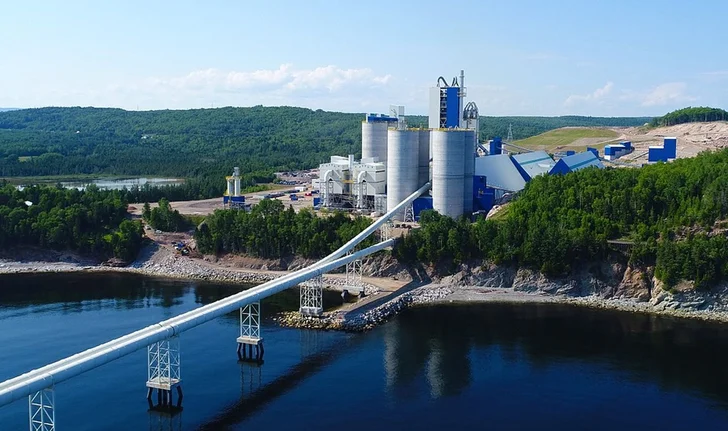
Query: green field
[[566, 138]]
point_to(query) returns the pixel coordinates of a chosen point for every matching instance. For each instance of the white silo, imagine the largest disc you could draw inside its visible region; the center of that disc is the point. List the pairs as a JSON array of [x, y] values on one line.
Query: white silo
[[448, 173], [402, 169], [374, 140], [424, 158], [468, 170]]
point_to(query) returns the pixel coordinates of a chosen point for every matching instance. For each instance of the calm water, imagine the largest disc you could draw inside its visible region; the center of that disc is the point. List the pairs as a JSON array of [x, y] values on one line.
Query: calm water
[[468, 367], [116, 184]]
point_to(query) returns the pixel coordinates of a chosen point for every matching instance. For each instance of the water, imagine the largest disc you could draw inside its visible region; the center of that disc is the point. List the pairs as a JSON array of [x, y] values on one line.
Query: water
[[491, 366], [122, 183], [117, 184]]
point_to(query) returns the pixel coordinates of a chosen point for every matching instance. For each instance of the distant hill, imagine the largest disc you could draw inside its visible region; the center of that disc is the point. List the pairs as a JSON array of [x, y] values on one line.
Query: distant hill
[[690, 115], [570, 138], [203, 142]]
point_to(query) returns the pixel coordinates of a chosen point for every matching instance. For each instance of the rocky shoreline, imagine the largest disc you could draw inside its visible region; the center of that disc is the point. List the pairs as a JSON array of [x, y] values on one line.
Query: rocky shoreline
[[612, 288]]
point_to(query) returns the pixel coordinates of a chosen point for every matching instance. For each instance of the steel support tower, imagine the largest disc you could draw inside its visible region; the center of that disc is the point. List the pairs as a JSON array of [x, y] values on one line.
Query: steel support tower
[[164, 370], [42, 410], [312, 297], [250, 333]]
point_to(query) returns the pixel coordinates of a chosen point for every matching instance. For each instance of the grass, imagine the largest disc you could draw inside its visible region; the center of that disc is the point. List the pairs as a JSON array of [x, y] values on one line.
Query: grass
[[562, 139]]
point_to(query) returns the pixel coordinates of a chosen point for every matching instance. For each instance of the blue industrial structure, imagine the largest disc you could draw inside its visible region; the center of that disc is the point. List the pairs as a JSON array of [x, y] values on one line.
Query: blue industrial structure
[[576, 162], [593, 151], [534, 163], [483, 196], [421, 204], [495, 146], [667, 151], [615, 151], [380, 118], [570, 152]]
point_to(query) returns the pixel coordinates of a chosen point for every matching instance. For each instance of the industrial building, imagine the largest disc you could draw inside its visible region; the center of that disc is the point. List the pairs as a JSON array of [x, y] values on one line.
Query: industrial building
[[397, 160], [668, 151], [233, 197], [576, 162], [615, 151], [534, 163], [466, 176]]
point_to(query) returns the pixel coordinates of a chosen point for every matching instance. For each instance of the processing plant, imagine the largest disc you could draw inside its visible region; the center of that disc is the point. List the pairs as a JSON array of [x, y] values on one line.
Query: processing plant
[[397, 160]]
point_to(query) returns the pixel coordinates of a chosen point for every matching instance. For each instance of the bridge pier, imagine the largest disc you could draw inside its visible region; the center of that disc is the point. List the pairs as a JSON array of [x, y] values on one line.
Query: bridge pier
[[250, 333], [353, 283], [163, 371], [312, 297], [42, 410]]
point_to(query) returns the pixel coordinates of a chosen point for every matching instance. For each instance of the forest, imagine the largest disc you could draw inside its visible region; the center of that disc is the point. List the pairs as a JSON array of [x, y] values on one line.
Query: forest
[[674, 213], [690, 115], [206, 143], [92, 222], [270, 230]]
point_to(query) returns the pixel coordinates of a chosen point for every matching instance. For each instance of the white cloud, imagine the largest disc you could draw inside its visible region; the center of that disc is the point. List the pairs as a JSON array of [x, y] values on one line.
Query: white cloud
[[596, 95], [665, 94], [285, 79]]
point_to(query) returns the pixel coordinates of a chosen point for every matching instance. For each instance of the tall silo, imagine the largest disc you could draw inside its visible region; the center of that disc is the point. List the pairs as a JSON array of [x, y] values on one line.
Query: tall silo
[[469, 170], [424, 158], [402, 169], [448, 173], [374, 140]]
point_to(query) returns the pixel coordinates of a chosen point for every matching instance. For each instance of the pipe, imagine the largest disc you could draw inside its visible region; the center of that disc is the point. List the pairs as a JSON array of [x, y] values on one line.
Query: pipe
[[360, 180], [374, 226], [31, 382]]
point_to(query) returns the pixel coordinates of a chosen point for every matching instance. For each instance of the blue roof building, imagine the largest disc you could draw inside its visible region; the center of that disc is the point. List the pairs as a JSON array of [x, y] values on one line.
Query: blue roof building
[[501, 172], [535, 163], [576, 162]]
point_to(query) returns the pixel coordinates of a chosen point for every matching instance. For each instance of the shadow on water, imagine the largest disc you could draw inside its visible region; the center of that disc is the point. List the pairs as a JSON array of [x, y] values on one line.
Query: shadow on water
[[22, 294], [254, 395], [671, 352]]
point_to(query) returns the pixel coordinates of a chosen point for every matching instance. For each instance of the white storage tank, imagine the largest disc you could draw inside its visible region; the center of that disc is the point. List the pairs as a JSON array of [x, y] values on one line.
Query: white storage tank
[[468, 168], [448, 173], [424, 158], [402, 170], [374, 140]]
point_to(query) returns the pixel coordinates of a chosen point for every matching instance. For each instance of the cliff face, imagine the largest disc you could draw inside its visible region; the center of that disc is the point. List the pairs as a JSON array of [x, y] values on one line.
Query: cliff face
[[600, 280]]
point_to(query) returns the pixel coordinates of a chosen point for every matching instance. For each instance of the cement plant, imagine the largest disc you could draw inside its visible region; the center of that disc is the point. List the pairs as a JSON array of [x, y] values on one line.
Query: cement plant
[[468, 177]]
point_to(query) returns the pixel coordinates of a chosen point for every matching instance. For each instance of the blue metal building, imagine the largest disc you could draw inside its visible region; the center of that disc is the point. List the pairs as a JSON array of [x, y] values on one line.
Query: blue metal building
[[534, 163], [576, 162]]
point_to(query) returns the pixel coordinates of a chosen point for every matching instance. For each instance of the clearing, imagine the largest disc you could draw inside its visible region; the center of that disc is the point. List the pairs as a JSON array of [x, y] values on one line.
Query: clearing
[[572, 138]]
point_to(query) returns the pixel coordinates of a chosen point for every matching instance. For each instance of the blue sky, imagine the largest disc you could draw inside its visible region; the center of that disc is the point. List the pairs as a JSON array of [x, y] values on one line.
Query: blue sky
[[521, 57]]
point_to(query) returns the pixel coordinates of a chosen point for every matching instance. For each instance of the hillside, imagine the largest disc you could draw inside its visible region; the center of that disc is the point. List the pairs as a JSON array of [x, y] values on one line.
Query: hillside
[[570, 138], [690, 115], [203, 142]]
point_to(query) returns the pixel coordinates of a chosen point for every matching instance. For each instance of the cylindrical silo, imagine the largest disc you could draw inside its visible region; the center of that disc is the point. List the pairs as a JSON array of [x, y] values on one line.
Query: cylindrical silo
[[448, 173], [424, 158], [374, 140], [469, 170], [402, 159]]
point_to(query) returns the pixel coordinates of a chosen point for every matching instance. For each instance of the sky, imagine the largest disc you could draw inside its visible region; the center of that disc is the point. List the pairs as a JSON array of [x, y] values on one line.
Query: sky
[[521, 57]]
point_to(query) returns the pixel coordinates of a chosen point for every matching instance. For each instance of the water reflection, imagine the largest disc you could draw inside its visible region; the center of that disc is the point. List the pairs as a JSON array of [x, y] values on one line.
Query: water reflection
[[438, 343]]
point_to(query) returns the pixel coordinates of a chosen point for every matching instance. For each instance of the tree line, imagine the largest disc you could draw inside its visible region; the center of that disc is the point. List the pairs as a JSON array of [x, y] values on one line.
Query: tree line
[[205, 142], [672, 212], [270, 230], [690, 115], [91, 221]]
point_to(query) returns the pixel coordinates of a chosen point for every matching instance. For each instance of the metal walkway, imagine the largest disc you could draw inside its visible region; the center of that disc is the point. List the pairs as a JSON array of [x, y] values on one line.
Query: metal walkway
[[38, 384]]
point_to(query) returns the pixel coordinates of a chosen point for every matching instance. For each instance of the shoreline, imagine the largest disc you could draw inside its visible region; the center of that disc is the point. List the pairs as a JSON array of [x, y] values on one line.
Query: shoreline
[[366, 317]]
